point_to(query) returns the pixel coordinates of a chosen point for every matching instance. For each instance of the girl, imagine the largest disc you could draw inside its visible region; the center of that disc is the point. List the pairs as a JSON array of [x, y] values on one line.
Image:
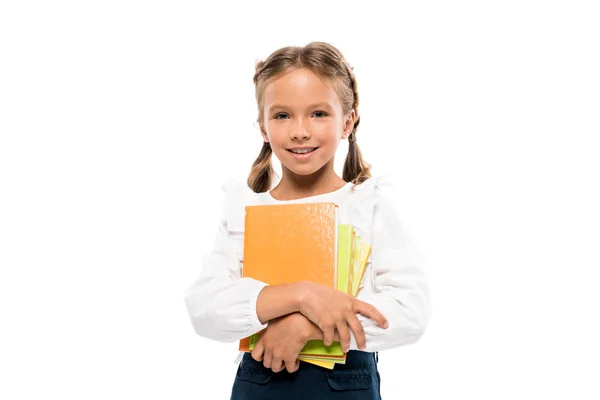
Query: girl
[[307, 102]]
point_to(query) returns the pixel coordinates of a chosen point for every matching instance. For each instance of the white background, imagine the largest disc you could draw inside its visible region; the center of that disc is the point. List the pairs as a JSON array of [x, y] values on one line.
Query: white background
[[119, 121]]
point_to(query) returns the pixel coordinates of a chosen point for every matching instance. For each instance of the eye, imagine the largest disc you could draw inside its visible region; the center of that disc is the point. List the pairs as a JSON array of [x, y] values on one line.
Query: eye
[[278, 115], [321, 114]]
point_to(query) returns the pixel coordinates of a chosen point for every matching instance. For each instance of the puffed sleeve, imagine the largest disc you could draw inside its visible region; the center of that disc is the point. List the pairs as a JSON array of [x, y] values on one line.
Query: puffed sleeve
[[221, 303], [398, 285]]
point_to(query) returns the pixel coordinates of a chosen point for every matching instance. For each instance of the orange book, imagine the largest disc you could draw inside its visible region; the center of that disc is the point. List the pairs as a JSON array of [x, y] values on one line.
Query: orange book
[[286, 243]]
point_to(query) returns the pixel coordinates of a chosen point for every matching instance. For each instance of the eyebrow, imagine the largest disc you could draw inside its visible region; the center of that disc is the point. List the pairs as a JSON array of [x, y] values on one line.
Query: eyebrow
[[316, 105]]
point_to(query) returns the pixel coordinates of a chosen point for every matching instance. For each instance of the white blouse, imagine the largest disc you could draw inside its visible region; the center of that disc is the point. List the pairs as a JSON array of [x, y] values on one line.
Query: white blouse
[[222, 304]]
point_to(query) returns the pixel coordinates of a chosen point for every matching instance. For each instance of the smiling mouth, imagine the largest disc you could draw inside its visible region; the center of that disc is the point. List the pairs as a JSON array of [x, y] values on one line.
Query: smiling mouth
[[303, 151]]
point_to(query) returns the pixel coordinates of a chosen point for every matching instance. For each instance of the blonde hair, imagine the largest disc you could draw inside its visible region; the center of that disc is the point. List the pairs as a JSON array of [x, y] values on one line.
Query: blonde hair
[[325, 61]]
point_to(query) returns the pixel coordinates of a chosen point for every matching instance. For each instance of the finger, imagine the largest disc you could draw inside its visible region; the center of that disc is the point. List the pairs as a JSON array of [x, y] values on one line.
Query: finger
[[292, 365], [276, 364], [258, 351], [359, 332], [328, 333], [267, 358], [344, 333], [369, 311]]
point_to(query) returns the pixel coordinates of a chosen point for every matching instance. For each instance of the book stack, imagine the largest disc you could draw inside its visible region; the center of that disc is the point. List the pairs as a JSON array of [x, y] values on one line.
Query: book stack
[[286, 243]]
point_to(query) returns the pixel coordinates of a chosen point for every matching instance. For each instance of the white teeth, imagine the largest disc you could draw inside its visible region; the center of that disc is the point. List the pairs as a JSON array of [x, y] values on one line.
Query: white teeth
[[301, 151]]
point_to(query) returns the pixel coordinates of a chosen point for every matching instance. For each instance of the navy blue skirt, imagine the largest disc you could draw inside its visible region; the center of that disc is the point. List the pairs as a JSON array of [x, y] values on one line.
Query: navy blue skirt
[[358, 379]]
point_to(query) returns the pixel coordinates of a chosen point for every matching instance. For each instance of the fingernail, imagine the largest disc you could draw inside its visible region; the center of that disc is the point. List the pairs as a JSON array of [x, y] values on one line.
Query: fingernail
[[386, 324]]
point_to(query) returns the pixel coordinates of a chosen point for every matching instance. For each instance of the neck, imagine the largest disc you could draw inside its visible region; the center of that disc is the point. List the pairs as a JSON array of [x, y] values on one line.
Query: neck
[[293, 186]]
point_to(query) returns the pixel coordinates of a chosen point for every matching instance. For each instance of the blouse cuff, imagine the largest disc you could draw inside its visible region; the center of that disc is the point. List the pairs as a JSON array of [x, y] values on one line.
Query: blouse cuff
[[254, 323]]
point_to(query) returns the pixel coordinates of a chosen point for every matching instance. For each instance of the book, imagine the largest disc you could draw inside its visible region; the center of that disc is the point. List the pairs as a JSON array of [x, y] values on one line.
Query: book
[[365, 252], [287, 243], [355, 264], [345, 256]]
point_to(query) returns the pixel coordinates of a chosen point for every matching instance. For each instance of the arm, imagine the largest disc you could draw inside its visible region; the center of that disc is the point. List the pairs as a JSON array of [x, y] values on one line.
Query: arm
[[400, 288], [226, 307], [278, 300]]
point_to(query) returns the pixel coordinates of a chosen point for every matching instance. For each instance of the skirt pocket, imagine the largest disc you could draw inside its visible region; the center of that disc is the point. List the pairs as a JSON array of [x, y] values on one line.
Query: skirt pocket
[[253, 374], [350, 379], [250, 383]]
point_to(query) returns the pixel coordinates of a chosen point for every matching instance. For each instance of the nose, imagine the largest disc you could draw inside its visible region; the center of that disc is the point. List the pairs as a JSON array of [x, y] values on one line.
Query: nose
[[299, 131]]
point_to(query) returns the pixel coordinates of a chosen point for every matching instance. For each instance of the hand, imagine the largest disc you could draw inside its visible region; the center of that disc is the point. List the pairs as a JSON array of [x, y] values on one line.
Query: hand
[[332, 309], [282, 341]]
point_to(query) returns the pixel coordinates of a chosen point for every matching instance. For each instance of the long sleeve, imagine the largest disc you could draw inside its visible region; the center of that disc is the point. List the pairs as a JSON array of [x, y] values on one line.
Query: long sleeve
[[397, 282], [221, 304]]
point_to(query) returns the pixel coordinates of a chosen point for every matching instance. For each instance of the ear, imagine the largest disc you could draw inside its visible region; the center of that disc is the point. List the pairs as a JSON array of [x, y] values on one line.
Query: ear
[[348, 124], [263, 132]]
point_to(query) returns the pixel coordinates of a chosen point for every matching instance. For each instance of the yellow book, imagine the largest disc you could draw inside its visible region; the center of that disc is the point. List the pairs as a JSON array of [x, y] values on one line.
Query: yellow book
[[365, 252]]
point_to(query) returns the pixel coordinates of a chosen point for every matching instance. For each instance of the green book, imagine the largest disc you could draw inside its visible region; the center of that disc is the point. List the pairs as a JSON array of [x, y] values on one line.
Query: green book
[[345, 245]]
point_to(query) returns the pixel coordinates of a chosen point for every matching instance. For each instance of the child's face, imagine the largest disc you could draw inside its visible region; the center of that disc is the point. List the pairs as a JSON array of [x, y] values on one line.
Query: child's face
[[302, 111]]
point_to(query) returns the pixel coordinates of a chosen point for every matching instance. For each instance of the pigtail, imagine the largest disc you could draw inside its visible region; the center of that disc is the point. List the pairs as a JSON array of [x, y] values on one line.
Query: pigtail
[[356, 169], [262, 172]]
